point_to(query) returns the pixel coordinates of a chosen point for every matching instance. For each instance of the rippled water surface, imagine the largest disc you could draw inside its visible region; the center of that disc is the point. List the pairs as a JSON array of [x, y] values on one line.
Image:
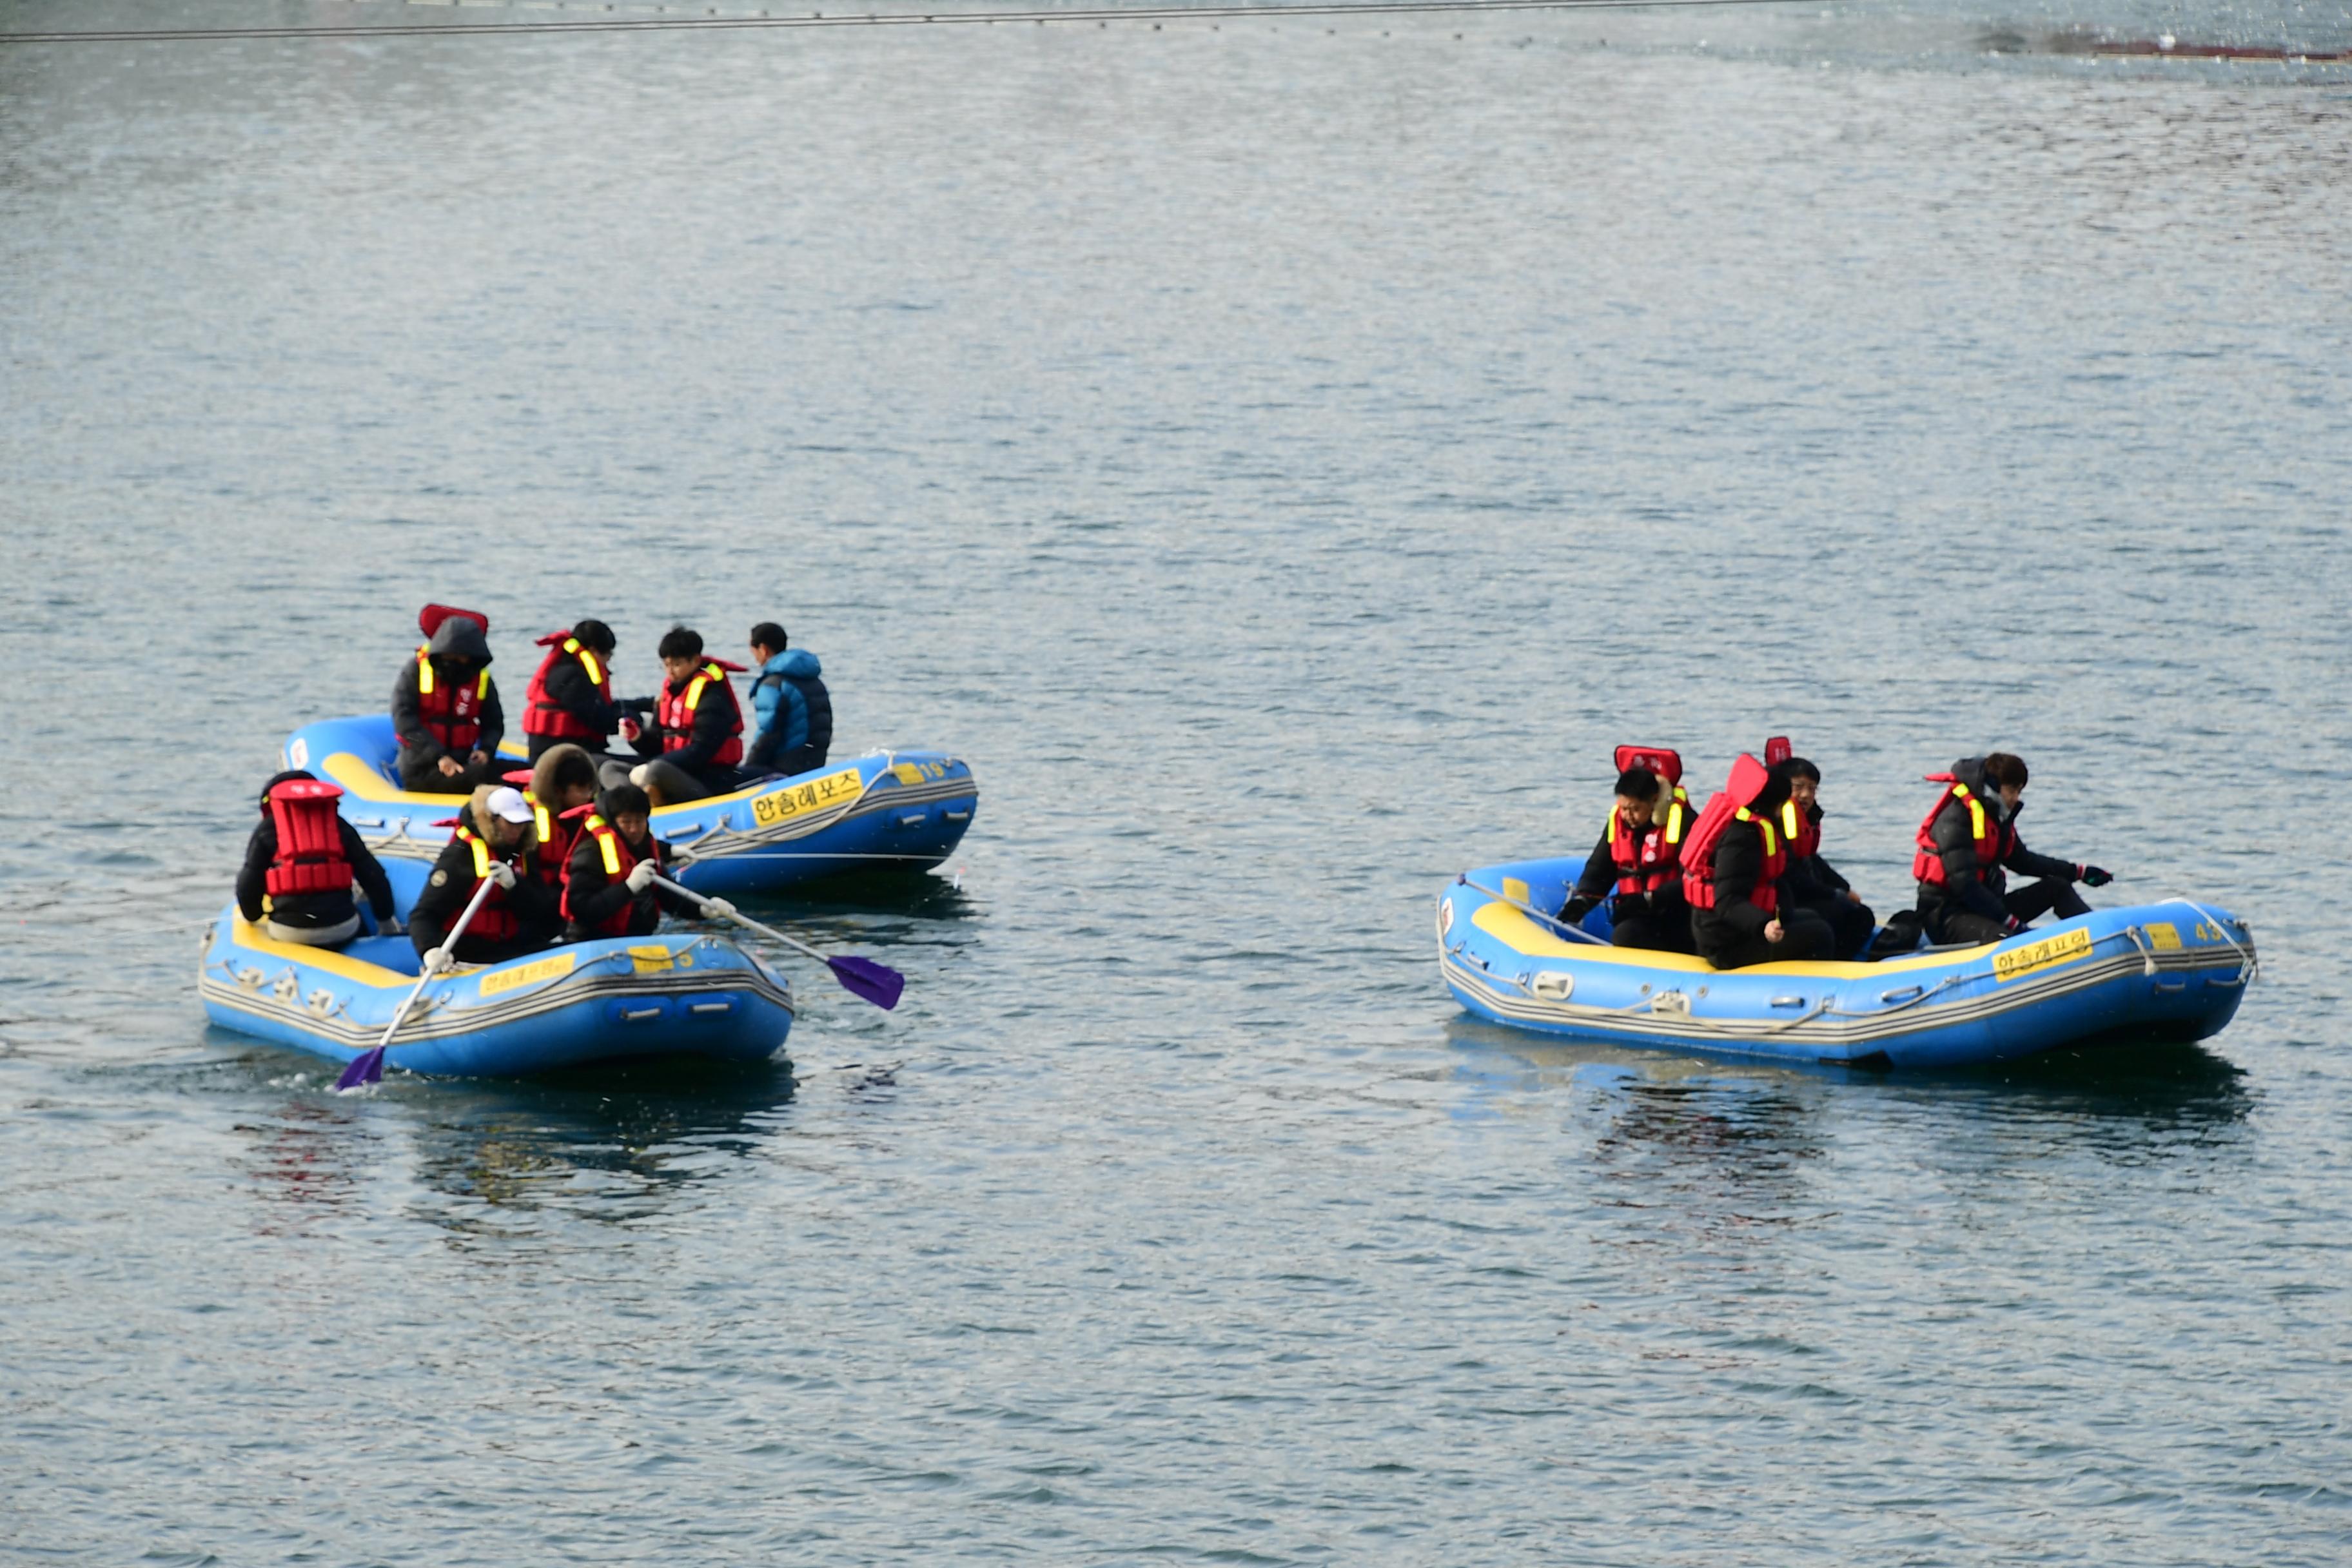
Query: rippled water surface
[[1283, 457]]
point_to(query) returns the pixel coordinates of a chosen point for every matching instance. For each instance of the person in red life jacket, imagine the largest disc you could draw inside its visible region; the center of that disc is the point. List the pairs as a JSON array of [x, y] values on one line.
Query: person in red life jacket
[[608, 888], [1637, 867], [300, 865], [557, 788], [570, 696], [696, 738], [1811, 882], [445, 707], [1732, 865], [494, 843], [1968, 844]]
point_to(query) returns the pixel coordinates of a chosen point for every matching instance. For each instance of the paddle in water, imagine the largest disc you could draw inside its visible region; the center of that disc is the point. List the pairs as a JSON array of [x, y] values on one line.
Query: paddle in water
[[861, 977], [368, 1066]]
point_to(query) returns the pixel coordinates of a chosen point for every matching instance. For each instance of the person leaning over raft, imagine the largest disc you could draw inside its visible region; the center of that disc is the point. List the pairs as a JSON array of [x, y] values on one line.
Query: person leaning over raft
[[494, 841], [570, 695], [300, 863], [445, 708], [1732, 864], [1811, 882], [559, 788], [608, 882], [696, 735], [1637, 867], [795, 709], [1968, 844]]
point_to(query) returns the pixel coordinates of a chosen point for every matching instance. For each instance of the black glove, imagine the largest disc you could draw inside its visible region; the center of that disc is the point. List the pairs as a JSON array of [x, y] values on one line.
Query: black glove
[[2093, 877], [1576, 908]]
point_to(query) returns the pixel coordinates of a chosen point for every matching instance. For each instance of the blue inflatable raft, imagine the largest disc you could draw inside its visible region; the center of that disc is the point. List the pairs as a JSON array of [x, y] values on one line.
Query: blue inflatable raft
[[2174, 970], [901, 810], [681, 994]]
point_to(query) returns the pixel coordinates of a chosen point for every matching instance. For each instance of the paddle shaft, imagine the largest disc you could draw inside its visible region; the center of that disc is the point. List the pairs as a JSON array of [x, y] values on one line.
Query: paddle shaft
[[743, 920], [426, 979], [1553, 920]]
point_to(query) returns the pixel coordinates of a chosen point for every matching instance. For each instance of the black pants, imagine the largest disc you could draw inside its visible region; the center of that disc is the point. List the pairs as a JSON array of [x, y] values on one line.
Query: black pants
[[1850, 925], [1949, 921], [1803, 934], [1664, 929], [426, 778]]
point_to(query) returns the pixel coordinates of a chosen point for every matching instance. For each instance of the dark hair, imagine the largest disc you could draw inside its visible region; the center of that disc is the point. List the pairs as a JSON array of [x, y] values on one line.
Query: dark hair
[[289, 774], [571, 766], [1775, 792], [593, 633], [1638, 784], [679, 643], [1801, 769], [767, 633], [2001, 768], [624, 800]]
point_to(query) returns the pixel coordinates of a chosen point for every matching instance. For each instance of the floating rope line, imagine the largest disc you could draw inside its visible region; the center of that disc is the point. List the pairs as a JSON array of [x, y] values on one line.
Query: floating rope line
[[711, 19]]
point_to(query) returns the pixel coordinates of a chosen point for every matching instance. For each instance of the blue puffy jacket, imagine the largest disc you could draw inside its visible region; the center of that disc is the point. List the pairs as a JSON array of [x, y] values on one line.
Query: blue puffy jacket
[[795, 715]]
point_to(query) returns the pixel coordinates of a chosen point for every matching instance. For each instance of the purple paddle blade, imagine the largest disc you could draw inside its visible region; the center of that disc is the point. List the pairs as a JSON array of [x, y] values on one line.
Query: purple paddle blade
[[365, 1067], [876, 982]]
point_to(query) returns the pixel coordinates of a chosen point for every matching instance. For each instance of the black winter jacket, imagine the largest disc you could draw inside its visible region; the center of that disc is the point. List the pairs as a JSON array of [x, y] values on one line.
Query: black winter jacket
[[1739, 863], [450, 889], [567, 687], [595, 894], [1810, 879], [458, 636], [1975, 889]]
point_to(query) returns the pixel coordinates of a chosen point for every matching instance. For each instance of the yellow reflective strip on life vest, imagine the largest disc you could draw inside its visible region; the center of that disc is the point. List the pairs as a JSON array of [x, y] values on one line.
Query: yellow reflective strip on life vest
[[1975, 818], [482, 686], [604, 835], [1675, 823], [481, 858], [587, 661], [694, 690], [1788, 817], [539, 818], [423, 674]]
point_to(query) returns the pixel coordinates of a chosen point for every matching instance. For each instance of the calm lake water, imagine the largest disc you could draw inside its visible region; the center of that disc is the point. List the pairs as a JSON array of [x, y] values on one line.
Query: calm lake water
[[1283, 457]]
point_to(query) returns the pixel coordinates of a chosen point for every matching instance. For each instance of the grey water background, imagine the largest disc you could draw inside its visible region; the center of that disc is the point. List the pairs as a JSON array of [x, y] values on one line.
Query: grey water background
[[1283, 459]]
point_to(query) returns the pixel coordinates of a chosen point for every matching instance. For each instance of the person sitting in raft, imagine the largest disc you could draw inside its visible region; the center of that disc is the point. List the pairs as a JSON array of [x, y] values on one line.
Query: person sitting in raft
[[570, 696], [795, 710], [1811, 882], [559, 789], [445, 707], [1732, 865], [1637, 864], [1969, 845], [608, 888], [696, 735], [493, 843], [300, 863]]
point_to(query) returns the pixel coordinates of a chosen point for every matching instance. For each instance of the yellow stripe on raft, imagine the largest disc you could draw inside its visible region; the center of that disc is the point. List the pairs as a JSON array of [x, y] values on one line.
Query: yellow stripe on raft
[[364, 783], [1528, 937], [243, 933]]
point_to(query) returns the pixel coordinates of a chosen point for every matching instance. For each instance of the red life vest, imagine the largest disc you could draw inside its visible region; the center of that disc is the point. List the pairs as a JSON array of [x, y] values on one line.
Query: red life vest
[[675, 712], [1747, 780], [1802, 832], [1651, 859], [557, 834], [496, 921], [1992, 837], [542, 715], [452, 712], [309, 857], [619, 861]]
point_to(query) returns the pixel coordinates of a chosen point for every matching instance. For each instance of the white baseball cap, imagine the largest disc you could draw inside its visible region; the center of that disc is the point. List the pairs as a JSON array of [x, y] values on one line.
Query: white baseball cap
[[509, 804]]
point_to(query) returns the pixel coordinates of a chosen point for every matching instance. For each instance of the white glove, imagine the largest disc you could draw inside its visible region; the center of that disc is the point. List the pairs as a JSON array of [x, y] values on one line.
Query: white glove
[[503, 875], [641, 876], [638, 774], [436, 959], [719, 907], [390, 926]]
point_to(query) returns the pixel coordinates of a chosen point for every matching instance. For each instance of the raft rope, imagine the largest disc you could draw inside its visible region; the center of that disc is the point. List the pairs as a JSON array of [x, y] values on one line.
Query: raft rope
[[1100, 15], [2249, 966]]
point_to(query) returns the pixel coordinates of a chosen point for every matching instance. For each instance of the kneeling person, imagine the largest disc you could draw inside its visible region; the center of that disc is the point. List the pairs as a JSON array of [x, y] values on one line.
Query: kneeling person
[[1637, 867], [608, 883], [494, 843], [300, 863], [1732, 865]]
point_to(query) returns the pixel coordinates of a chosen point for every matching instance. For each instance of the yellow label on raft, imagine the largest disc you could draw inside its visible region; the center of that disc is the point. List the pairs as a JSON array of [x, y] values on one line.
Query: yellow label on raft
[[651, 960], [2163, 937], [530, 973], [2047, 954], [1515, 889], [793, 800]]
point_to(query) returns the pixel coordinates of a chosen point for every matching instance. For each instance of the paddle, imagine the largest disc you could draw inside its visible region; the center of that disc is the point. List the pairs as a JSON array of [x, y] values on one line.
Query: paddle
[[861, 977], [368, 1066]]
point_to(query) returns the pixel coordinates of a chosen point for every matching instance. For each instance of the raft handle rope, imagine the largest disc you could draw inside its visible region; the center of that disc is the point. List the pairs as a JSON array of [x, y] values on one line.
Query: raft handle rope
[[2249, 966]]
